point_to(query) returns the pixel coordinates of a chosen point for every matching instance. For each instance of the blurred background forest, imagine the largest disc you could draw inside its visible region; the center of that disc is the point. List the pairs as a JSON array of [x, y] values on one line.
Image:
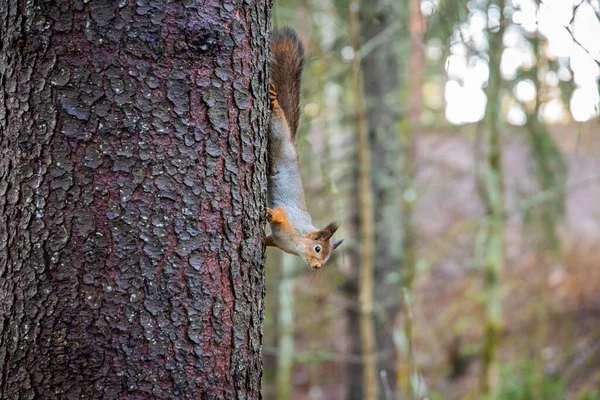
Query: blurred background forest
[[458, 142]]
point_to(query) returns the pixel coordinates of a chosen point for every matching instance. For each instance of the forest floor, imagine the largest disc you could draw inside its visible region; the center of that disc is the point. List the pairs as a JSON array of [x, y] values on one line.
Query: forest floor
[[552, 299]]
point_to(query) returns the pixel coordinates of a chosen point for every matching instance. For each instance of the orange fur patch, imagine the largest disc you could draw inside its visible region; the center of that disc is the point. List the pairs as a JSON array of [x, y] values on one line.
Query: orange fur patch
[[279, 217]]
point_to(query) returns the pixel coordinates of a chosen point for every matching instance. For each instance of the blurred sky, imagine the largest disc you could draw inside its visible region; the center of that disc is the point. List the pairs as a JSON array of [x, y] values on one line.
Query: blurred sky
[[467, 75]]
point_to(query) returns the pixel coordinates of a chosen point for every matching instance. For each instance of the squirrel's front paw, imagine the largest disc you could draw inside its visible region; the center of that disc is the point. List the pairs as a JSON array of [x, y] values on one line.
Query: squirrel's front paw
[[273, 97], [269, 215]]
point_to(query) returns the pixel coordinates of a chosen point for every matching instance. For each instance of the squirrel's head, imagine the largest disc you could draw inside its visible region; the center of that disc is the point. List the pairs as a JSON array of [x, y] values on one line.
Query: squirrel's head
[[318, 246]]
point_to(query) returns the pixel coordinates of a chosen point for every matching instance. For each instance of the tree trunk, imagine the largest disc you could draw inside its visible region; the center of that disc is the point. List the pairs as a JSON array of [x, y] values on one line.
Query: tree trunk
[[409, 129], [366, 226], [382, 87], [285, 329], [354, 371], [132, 189], [492, 196], [548, 163]]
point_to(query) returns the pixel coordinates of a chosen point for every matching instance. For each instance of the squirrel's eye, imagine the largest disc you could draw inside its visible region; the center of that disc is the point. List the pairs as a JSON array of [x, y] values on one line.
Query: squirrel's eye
[[318, 249]]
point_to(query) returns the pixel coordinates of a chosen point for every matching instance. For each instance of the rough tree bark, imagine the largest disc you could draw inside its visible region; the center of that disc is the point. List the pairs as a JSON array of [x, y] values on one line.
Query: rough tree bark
[[132, 187]]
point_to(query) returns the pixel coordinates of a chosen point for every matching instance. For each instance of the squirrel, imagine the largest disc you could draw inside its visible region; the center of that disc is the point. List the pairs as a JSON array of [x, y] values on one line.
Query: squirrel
[[291, 225]]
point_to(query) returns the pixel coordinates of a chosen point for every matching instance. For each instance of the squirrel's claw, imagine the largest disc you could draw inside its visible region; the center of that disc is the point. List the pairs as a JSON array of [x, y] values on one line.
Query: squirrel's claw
[[269, 215], [269, 241], [273, 97]]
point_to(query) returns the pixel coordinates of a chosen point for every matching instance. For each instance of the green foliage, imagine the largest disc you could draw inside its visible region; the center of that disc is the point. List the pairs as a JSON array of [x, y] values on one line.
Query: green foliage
[[526, 381]]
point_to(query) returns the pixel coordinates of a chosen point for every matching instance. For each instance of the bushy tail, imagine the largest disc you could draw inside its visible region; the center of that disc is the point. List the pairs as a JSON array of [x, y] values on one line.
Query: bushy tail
[[287, 61]]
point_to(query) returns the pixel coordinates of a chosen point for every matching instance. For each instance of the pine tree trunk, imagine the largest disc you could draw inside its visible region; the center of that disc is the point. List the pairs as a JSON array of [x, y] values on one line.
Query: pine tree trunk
[[132, 188]]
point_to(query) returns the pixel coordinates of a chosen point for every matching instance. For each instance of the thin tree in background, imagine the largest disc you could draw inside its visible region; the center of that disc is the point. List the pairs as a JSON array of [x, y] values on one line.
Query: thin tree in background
[[409, 129], [367, 234], [491, 189], [379, 23], [285, 329], [551, 172], [132, 192], [549, 164]]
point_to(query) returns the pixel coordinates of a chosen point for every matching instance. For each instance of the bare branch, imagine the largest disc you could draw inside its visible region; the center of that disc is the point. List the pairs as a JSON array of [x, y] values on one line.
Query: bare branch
[[570, 26]]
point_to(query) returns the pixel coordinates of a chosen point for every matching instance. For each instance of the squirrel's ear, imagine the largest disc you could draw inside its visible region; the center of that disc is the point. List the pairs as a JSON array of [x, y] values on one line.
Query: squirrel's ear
[[326, 233], [337, 244], [329, 230]]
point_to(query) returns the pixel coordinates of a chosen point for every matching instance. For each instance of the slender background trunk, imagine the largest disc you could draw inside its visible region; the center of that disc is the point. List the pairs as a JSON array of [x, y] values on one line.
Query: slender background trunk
[[492, 196], [285, 329], [379, 22], [132, 185], [410, 126], [365, 211], [548, 163]]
